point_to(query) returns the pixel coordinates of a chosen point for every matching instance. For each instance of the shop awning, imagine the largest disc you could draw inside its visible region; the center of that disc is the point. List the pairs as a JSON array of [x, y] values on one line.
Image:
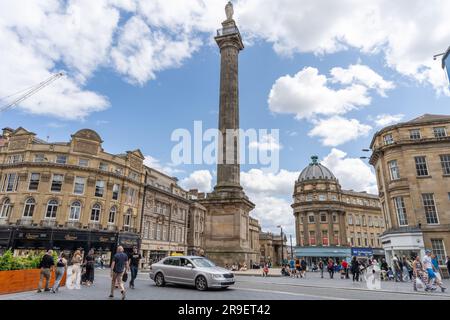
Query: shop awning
[[322, 252]]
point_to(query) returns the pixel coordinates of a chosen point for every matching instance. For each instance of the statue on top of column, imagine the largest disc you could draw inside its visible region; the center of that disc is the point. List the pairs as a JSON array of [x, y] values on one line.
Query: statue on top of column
[[229, 10]]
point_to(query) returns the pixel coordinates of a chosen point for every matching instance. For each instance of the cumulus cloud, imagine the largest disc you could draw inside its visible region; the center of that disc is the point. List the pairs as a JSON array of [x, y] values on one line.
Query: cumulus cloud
[[337, 130], [156, 164], [200, 179], [353, 173], [383, 120], [258, 181], [306, 95], [267, 142], [407, 33]]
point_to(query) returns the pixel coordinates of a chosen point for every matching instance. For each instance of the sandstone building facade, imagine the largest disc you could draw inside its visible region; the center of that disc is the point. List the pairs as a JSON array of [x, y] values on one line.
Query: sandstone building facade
[[412, 164]]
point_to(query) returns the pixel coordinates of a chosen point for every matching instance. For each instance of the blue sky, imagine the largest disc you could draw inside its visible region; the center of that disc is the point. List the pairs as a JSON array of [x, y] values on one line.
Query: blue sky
[[141, 88]]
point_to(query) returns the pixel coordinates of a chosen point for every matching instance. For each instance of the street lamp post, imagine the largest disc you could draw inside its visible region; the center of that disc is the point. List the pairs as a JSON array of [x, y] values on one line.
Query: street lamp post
[[282, 247], [292, 252]]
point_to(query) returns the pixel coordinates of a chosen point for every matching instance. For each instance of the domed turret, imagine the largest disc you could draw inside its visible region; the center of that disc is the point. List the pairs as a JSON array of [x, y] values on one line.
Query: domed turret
[[316, 171]]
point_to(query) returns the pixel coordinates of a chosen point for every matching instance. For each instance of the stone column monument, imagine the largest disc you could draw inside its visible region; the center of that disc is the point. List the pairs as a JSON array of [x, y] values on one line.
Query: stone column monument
[[227, 234]]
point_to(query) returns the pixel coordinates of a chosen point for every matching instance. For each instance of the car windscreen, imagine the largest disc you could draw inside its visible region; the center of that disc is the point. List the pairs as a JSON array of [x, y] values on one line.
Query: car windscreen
[[201, 262]]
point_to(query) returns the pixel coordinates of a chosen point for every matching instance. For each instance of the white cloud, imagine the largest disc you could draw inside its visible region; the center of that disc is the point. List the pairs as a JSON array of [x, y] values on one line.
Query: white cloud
[[257, 181], [362, 74], [407, 33], [156, 164], [200, 179], [141, 52], [268, 142], [337, 130], [353, 173], [307, 95], [383, 120]]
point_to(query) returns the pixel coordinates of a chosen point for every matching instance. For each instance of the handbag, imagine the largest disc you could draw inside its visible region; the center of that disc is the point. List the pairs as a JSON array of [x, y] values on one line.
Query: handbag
[[125, 277], [419, 283]]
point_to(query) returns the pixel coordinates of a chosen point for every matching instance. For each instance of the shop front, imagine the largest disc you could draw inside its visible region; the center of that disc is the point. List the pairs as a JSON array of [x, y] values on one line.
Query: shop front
[[403, 242], [313, 255], [5, 234]]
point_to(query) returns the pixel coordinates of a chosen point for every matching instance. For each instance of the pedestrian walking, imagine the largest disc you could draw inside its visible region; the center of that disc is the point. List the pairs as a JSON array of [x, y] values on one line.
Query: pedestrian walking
[[292, 267], [76, 270], [321, 268], [345, 268], [448, 263], [61, 269], [118, 266], [437, 272], [304, 267], [407, 268], [298, 268], [397, 269], [46, 265], [265, 270], [384, 269], [134, 259], [89, 264], [419, 274], [355, 267], [330, 268]]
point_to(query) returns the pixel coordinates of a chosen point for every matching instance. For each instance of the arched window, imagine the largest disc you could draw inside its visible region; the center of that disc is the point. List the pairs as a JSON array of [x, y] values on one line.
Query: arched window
[[28, 210], [112, 215], [127, 219], [6, 208], [52, 207], [75, 211], [95, 212]]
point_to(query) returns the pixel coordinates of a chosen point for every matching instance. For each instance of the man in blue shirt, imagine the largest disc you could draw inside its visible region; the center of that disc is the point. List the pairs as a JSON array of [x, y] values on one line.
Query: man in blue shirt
[[118, 266]]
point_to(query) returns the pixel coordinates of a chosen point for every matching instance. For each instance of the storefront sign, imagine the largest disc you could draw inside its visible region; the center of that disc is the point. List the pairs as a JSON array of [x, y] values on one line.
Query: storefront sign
[[362, 252], [70, 238], [32, 236]]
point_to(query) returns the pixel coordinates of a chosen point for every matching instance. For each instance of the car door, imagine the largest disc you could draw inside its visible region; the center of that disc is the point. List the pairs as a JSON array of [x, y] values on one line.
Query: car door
[[167, 269], [186, 274], [175, 270]]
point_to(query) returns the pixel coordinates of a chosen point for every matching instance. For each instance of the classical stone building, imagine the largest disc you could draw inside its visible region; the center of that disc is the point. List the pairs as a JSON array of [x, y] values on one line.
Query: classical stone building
[[412, 164], [273, 249], [67, 195], [228, 226], [330, 221]]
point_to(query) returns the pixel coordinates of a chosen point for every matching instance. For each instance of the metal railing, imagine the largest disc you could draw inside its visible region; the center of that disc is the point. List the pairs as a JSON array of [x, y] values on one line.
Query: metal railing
[[228, 30]]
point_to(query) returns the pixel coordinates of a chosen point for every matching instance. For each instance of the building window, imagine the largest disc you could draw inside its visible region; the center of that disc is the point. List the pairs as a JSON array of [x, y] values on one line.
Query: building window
[[131, 195], [61, 159], [28, 210], [322, 197], [366, 241], [79, 185], [372, 240], [352, 239], [152, 230], [112, 215], [421, 166], [115, 191], [172, 235], [103, 166], [378, 239], [414, 134], [438, 248], [99, 188], [15, 158], [323, 217], [127, 218], [10, 182], [52, 208], [350, 219], [325, 237], [95, 212], [75, 211], [439, 132], [370, 221], [57, 183], [364, 221], [430, 208], [34, 181], [6, 208], [39, 157], [445, 163], [83, 162], [357, 220], [359, 239], [312, 238], [164, 234], [133, 175], [158, 232], [388, 139], [333, 197], [334, 218], [401, 211], [311, 218], [393, 169], [309, 197], [336, 238]]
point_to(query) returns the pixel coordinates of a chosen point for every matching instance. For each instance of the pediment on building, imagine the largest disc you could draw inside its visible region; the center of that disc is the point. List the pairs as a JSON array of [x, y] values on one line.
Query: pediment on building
[[88, 134], [22, 132], [137, 153]]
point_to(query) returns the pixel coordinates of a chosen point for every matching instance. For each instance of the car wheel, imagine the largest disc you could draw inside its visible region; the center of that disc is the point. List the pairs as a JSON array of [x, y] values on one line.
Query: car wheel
[[201, 284], [159, 280]]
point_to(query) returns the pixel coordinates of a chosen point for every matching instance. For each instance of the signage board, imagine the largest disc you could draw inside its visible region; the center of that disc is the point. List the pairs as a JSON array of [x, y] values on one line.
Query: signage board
[[362, 252]]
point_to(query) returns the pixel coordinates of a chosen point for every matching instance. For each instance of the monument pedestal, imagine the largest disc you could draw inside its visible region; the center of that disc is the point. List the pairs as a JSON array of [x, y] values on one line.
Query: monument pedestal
[[227, 233]]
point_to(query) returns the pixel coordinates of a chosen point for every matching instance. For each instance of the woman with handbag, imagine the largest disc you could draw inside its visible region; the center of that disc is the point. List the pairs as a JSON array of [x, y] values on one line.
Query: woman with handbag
[[419, 275]]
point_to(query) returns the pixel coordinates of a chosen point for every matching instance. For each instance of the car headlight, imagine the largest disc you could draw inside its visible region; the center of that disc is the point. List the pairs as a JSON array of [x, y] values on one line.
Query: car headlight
[[217, 276]]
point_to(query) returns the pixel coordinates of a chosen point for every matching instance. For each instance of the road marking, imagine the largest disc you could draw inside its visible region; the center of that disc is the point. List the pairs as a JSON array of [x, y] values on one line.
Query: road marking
[[291, 293]]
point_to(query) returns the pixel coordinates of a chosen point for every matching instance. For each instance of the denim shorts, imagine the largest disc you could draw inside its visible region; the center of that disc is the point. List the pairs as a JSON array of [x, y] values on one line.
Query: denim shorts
[[431, 274]]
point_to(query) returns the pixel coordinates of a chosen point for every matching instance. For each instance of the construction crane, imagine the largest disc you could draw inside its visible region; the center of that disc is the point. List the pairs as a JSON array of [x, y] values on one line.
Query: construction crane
[[26, 93]]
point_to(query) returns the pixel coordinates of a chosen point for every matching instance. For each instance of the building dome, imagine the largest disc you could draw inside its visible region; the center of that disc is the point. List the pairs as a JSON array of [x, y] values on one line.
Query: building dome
[[316, 171]]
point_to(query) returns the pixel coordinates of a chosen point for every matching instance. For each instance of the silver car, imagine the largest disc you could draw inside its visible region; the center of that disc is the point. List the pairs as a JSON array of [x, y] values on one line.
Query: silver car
[[190, 270]]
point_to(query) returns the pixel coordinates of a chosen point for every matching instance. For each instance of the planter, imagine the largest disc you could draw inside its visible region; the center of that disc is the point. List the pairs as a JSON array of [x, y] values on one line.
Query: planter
[[24, 280]]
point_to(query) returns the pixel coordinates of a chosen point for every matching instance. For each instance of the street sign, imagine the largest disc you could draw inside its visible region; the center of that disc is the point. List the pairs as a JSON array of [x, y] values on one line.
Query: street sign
[[362, 252]]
